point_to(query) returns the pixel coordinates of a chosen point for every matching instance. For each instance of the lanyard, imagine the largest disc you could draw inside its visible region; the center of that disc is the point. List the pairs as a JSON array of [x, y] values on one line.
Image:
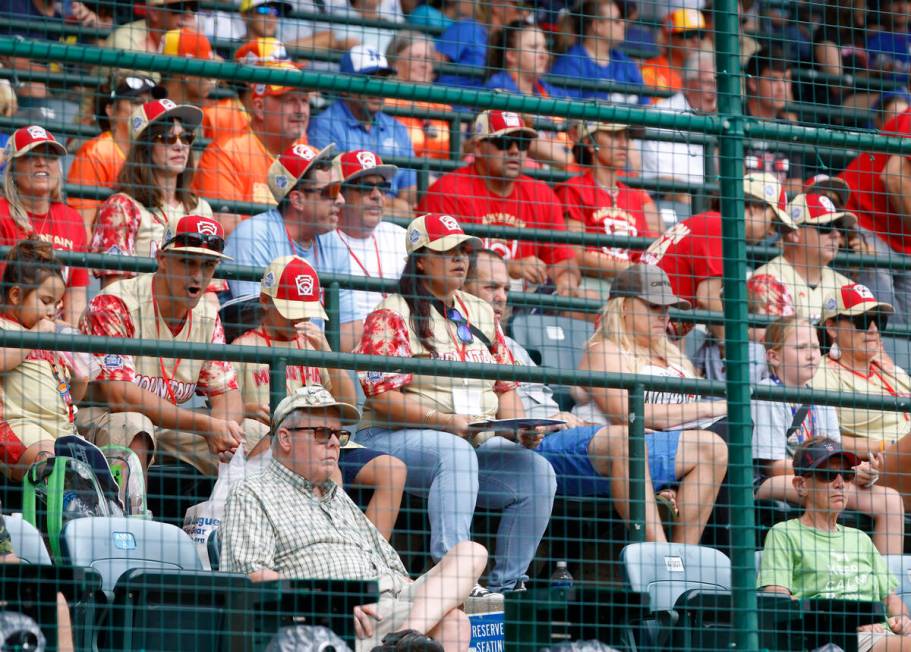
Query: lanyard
[[460, 347], [164, 373], [63, 388], [873, 372], [262, 332], [376, 248], [808, 425]]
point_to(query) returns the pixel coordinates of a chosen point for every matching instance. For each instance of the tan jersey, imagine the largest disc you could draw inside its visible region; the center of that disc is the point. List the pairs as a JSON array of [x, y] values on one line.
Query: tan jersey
[[388, 332], [778, 289], [878, 425], [37, 391], [254, 377], [126, 309]]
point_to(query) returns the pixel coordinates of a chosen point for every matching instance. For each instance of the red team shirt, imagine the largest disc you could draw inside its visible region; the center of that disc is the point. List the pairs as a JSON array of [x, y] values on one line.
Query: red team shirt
[[869, 200], [531, 204], [690, 252], [61, 226], [585, 201]]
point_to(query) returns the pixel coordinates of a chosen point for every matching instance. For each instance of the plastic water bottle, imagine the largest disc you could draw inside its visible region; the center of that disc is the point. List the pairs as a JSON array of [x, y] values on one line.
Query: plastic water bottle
[[561, 579]]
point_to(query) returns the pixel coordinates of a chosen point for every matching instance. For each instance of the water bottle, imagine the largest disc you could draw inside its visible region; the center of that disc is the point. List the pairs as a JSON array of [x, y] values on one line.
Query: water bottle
[[561, 579]]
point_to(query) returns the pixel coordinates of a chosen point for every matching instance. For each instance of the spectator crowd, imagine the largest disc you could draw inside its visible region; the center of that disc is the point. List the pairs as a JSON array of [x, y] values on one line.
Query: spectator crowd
[[301, 186]]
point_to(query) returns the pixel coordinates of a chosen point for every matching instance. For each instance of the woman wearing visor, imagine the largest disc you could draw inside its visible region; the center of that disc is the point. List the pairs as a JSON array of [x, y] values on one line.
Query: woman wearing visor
[[424, 420]]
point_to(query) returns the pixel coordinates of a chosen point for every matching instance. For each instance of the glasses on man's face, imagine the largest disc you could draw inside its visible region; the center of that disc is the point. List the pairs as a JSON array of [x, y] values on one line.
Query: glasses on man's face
[[322, 434], [329, 192], [862, 322], [266, 10], [169, 139], [367, 187], [686, 35], [211, 242], [505, 143], [825, 229], [829, 475], [463, 332]]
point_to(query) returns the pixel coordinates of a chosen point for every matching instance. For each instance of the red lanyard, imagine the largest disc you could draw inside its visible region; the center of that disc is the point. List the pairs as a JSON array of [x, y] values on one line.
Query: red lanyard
[[164, 374], [262, 332], [63, 388], [376, 248], [460, 347], [873, 372]]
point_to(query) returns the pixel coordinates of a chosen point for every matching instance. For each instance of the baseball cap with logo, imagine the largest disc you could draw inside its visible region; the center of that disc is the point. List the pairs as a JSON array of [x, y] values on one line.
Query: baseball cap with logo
[[274, 90], [812, 454], [294, 288], [266, 49], [195, 234], [823, 183], [684, 20], [649, 283], [437, 232], [185, 43], [851, 300], [159, 110], [364, 60], [28, 138], [766, 188], [313, 397], [586, 129], [292, 164], [361, 163], [494, 123], [809, 209], [284, 8]]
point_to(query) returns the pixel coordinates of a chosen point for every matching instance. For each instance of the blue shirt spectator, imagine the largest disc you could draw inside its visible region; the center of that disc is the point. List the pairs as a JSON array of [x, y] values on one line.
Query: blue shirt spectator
[[427, 16], [464, 43], [578, 64], [263, 238], [386, 137], [891, 51]]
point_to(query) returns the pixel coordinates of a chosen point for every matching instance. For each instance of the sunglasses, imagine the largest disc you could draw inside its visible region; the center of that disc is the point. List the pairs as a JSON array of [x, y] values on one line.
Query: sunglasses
[[825, 229], [690, 33], [829, 475], [322, 434], [330, 191], [266, 10], [211, 242], [368, 187], [463, 332], [185, 138], [862, 322], [505, 143]]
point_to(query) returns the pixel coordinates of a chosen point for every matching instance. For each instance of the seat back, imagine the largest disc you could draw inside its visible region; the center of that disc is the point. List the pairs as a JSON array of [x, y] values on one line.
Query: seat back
[[27, 542], [559, 340], [900, 565], [114, 545], [665, 570]]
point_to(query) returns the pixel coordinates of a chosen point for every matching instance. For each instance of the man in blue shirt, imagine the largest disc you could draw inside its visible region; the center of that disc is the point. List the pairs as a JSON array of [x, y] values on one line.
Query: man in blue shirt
[[355, 122], [601, 30], [308, 191]]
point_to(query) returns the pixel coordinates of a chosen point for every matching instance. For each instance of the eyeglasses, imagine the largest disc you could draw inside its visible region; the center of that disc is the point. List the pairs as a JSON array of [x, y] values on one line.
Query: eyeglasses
[[185, 138], [505, 143], [322, 434], [330, 191], [862, 322], [212, 242], [463, 332], [825, 229], [266, 10], [689, 34], [829, 475], [368, 187]]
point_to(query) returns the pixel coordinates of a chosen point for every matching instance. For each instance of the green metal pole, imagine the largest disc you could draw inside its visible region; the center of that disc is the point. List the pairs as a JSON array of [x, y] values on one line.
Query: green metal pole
[[740, 462], [333, 310], [278, 383], [636, 451]]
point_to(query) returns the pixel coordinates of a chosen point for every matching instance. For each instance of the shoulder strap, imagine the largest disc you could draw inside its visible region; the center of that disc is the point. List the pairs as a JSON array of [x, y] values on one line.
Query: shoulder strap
[[799, 417]]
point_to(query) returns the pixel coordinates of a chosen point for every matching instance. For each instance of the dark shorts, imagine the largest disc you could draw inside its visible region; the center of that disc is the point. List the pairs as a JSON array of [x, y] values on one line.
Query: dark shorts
[[352, 460], [567, 452]]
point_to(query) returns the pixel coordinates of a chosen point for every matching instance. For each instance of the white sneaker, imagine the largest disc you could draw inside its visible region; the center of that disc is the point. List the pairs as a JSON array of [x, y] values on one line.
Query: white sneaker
[[482, 600]]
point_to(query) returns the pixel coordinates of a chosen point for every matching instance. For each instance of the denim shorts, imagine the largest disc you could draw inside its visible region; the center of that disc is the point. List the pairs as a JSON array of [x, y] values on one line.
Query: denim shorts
[[352, 460], [567, 452]]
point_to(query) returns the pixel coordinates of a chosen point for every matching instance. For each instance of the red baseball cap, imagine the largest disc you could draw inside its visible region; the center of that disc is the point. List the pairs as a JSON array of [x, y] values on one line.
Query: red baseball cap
[[157, 110], [822, 183], [294, 287], [493, 123], [437, 232], [292, 164], [196, 234], [28, 138], [811, 208], [256, 51], [361, 163], [185, 43], [851, 300]]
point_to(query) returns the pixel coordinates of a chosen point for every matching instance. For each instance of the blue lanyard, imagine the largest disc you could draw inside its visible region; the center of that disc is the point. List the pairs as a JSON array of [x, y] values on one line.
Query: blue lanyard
[[809, 423]]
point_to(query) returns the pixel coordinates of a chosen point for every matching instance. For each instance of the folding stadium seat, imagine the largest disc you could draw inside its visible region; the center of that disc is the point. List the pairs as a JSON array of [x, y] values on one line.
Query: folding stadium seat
[[27, 542]]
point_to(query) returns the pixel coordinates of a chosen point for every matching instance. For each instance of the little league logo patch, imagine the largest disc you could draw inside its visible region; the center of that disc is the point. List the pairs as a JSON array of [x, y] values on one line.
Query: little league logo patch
[[366, 159], [826, 203], [512, 119], [38, 133], [269, 280], [796, 213], [449, 222], [207, 228], [303, 151], [112, 361], [167, 104], [304, 284], [137, 122], [413, 236], [281, 181], [770, 192]]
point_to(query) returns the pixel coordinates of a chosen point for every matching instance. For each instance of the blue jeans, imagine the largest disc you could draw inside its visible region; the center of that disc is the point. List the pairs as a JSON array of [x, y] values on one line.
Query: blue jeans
[[454, 477]]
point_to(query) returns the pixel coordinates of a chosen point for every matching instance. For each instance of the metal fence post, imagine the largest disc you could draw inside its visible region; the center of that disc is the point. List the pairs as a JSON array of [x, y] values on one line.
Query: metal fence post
[[740, 465], [636, 450], [278, 383], [333, 310]]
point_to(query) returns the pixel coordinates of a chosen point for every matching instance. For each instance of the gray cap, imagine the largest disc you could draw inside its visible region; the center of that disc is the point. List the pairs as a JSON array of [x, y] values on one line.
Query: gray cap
[[649, 283], [313, 397]]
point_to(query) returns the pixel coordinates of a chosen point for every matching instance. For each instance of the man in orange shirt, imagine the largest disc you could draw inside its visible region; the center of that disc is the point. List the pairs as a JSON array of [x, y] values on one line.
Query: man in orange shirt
[[683, 31], [98, 161], [236, 169]]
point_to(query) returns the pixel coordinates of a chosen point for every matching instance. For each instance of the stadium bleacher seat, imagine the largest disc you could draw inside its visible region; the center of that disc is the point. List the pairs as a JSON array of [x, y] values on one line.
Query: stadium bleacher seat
[[27, 542]]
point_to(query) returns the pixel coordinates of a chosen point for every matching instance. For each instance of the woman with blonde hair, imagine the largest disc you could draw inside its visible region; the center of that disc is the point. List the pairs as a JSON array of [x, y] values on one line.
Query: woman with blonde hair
[[632, 338], [32, 206]]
